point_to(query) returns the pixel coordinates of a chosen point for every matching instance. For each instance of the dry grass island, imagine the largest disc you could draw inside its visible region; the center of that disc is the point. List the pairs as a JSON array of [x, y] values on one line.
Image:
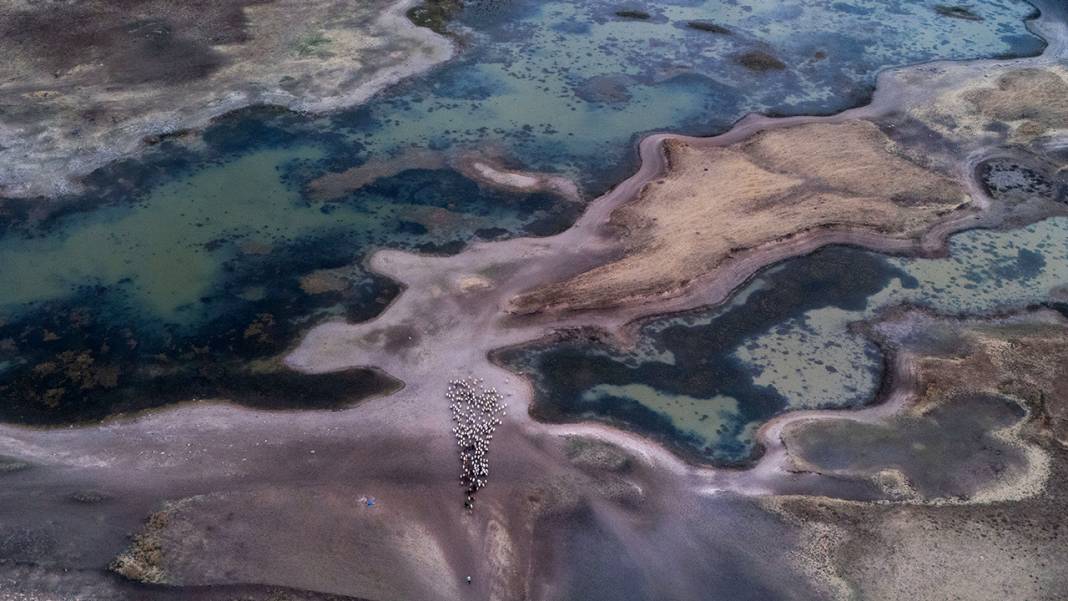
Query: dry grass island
[[897, 175]]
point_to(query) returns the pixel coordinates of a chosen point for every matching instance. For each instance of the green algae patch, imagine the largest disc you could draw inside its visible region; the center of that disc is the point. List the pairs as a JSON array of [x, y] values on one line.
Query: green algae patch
[[435, 15]]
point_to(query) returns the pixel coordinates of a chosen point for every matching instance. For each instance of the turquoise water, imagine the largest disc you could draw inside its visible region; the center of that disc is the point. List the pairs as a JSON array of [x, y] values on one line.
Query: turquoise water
[[703, 382], [222, 254]]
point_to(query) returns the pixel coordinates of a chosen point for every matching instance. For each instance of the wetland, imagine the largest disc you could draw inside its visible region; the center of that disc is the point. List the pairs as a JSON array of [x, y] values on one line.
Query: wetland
[[780, 286]]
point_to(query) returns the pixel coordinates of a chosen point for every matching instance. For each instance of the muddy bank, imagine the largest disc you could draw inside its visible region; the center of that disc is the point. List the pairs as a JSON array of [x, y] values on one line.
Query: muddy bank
[[365, 504]]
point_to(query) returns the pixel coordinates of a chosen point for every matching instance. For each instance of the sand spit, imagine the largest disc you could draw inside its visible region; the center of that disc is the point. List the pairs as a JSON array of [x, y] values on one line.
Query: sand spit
[[149, 68], [491, 172]]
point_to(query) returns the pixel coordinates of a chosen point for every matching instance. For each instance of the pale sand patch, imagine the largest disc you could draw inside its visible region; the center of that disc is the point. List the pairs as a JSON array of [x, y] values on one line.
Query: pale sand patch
[[486, 168], [1033, 102], [504, 178], [475, 165]]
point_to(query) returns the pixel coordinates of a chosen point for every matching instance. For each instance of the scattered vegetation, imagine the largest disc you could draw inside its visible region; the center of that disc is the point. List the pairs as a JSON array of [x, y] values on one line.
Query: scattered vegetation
[[957, 12], [314, 45], [758, 60], [143, 560], [708, 26]]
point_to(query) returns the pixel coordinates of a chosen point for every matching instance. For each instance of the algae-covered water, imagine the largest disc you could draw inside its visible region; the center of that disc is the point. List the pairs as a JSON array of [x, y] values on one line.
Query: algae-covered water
[[186, 273]]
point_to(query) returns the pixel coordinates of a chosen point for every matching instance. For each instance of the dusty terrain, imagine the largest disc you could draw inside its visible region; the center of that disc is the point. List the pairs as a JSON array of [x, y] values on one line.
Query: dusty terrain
[[86, 83], [978, 524], [1030, 102], [574, 511], [887, 174]]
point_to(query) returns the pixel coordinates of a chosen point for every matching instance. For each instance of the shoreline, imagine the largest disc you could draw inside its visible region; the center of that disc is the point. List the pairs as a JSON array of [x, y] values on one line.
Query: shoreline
[[34, 179], [585, 238], [279, 498]]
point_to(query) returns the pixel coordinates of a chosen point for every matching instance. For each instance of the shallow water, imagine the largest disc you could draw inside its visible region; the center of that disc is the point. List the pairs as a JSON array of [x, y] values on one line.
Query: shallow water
[[566, 86], [218, 250], [703, 382], [225, 266]]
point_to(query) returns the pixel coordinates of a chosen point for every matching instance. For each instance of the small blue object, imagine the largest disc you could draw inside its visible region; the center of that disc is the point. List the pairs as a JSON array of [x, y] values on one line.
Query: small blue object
[[370, 502]]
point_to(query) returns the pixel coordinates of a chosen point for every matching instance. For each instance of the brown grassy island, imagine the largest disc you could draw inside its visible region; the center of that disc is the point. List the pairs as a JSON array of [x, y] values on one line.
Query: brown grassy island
[[898, 176]]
